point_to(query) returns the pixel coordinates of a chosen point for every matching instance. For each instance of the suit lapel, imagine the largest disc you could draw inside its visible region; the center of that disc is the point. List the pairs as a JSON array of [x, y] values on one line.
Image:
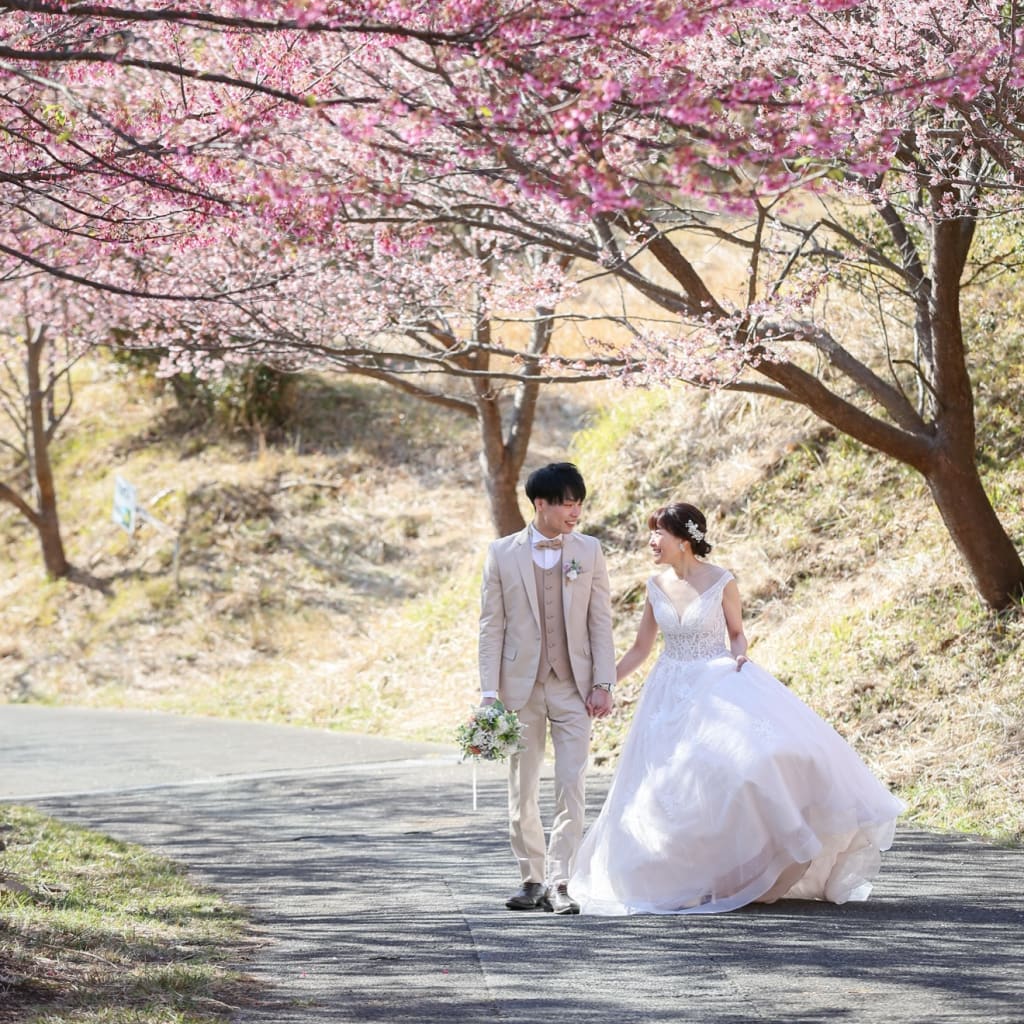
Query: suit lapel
[[524, 559], [568, 552]]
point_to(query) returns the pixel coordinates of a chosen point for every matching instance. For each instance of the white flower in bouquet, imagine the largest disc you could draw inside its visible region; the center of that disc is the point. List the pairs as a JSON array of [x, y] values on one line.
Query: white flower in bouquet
[[491, 734]]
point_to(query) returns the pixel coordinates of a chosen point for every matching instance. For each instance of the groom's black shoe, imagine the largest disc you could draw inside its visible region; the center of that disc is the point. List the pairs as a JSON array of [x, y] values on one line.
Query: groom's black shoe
[[561, 902], [532, 896]]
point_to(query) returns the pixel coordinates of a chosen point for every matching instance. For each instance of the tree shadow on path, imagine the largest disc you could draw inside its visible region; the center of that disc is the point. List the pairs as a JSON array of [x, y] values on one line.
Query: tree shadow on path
[[380, 893]]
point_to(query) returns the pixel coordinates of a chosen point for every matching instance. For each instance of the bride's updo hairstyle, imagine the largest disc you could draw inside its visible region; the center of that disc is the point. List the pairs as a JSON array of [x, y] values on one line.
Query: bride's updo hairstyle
[[685, 522]]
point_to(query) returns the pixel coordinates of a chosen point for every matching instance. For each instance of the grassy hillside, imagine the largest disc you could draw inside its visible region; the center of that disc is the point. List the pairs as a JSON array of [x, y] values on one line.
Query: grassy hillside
[[855, 598], [330, 577]]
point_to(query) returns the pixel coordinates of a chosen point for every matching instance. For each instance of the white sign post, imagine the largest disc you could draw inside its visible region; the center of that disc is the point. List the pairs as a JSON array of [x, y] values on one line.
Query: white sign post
[[128, 513], [125, 505]]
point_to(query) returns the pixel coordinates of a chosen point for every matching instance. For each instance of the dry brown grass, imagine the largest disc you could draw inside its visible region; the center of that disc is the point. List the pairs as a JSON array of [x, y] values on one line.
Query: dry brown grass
[[331, 579], [290, 561], [854, 595]]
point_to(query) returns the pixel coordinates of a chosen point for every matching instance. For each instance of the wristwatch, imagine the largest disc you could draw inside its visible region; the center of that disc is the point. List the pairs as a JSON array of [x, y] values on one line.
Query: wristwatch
[[607, 687]]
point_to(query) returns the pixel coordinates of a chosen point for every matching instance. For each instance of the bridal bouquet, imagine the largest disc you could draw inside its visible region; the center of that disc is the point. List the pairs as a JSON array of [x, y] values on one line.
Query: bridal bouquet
[[491, 734]]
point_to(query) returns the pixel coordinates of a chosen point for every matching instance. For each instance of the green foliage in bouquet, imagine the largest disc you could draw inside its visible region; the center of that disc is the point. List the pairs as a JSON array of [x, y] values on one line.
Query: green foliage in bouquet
[[491, 734]]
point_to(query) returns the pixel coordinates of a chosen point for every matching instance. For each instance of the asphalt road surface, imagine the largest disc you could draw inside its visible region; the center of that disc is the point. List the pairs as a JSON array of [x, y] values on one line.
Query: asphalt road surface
[[378, 892]]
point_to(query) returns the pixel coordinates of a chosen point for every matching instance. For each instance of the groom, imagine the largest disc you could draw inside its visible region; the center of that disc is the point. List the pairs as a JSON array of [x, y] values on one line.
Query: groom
[[546, 651]]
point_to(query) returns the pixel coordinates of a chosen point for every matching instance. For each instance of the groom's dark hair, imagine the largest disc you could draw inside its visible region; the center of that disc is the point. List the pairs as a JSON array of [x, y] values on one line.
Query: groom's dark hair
[[556, 482]]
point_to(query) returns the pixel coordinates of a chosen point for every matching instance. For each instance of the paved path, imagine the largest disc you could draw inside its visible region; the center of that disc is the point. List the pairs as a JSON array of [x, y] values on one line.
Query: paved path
[[379, 891]]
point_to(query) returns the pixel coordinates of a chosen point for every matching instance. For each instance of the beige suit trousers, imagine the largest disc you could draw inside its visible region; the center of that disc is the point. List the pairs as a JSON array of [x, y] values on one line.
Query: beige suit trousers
[[559, 704]]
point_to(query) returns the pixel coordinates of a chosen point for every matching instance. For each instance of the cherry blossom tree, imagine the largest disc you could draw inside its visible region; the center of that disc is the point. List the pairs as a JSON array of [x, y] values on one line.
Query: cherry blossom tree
[[829, 144], [462, 321], [156, 177], [900, 119]]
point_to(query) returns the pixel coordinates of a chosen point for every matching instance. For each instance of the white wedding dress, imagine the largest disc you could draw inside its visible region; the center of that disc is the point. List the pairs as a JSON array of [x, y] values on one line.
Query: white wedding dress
[[728, 789]]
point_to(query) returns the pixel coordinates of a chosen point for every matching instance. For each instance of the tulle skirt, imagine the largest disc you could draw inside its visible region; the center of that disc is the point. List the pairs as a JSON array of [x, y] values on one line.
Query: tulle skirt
[[729, 790]]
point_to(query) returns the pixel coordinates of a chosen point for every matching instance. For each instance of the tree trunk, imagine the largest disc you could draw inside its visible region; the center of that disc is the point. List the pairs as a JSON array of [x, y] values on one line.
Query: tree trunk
[[979, 536], [951, 470], [499, 468], [502, 486], [502, 453], [47, 522]]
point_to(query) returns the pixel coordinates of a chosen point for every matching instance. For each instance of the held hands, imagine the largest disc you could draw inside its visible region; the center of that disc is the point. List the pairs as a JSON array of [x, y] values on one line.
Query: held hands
[[599, 703]]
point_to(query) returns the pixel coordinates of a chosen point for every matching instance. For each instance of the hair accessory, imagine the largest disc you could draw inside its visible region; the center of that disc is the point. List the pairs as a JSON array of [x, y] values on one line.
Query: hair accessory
[[694, 530]]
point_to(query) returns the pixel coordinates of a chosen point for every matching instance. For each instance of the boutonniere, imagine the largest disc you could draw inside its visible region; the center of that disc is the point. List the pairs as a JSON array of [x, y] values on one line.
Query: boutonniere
[[572, 570]]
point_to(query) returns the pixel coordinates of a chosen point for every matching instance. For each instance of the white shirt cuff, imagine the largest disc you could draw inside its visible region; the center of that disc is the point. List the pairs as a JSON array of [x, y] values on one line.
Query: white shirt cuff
[[489, 693]]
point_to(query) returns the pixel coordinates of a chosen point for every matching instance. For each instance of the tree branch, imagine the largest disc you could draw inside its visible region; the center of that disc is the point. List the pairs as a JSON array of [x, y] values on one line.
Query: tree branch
[[9, 495], [913, 449], [405, 385], [177, 15]]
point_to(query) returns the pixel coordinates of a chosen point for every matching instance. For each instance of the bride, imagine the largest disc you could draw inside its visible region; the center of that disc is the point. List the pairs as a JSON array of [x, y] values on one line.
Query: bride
[[729, 789]]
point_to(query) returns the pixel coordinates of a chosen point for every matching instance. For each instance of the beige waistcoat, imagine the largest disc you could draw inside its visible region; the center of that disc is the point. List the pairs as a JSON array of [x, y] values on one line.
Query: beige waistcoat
[[554, 648]]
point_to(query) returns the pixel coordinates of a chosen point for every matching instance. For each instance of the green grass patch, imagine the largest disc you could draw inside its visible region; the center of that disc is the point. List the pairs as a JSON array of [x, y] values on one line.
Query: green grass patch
[[95, 930]]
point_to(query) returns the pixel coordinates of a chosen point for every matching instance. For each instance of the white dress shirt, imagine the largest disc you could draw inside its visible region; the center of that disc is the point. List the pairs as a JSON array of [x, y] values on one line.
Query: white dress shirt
[[543, 558]]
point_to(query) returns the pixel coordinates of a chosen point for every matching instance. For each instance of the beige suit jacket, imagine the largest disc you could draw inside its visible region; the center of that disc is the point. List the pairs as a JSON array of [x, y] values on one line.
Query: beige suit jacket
[[510, 617]]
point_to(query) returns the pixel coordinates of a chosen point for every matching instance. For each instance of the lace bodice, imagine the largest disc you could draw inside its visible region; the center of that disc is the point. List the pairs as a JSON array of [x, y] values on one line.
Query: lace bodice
[[700, 633]]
